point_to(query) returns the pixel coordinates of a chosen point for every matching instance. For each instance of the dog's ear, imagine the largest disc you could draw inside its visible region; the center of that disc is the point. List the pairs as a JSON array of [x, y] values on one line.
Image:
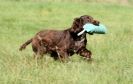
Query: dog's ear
[[76, 22], [77, 25]]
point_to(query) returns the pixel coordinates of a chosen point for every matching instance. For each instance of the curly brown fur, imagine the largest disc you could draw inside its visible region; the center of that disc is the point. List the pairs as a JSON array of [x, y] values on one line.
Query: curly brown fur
[[62, 43]]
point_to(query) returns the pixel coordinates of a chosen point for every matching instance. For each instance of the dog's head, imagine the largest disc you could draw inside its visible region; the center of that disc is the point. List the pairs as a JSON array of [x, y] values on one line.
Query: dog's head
[[78, 23]]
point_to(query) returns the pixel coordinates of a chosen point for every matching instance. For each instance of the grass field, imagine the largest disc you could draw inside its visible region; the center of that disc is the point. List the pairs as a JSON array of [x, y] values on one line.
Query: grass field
[[112, 53]]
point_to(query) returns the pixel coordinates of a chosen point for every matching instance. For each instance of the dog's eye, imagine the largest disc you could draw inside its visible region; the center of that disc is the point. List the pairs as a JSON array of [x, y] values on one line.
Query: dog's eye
[[89, 20]]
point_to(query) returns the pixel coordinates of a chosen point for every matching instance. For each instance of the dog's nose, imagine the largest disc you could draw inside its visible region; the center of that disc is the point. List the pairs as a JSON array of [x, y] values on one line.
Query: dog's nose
[[95, 22]]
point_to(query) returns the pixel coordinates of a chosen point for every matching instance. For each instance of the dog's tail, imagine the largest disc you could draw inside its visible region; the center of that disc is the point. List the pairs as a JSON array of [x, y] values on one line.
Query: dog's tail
[[23, 46]]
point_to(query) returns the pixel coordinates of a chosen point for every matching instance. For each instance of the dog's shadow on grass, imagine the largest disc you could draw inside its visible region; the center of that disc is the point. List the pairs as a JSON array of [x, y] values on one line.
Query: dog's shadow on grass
[[91, 60]]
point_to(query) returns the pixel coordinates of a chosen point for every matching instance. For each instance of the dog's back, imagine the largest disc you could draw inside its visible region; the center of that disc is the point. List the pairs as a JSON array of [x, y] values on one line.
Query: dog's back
[[52, 38]]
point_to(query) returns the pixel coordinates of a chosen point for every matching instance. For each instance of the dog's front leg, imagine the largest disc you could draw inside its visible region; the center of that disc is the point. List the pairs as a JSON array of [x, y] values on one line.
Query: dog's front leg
[[85, 53]]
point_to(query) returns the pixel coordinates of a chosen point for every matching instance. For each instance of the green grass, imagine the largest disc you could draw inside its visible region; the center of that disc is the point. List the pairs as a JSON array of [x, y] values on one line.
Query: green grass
[[112, 53]]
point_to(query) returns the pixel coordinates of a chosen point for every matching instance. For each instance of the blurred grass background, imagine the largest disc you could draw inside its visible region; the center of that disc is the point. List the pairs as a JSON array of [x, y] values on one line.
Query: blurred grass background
[[112, 53]]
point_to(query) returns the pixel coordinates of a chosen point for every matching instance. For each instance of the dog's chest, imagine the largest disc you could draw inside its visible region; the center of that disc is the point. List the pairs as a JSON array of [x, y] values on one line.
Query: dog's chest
[[79, 42]]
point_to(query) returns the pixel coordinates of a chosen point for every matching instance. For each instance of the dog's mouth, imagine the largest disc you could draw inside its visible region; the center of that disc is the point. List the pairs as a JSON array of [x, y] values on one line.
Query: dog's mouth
[[91, 28], [88, 27]]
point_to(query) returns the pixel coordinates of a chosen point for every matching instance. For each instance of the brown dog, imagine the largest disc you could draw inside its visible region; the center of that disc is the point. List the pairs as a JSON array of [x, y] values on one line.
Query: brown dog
[[61, 44]]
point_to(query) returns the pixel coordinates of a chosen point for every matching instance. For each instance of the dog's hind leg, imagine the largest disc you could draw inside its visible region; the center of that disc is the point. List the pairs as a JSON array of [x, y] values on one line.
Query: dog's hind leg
[[38, 53], [63, 56], [38, 49], [59, 56]]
